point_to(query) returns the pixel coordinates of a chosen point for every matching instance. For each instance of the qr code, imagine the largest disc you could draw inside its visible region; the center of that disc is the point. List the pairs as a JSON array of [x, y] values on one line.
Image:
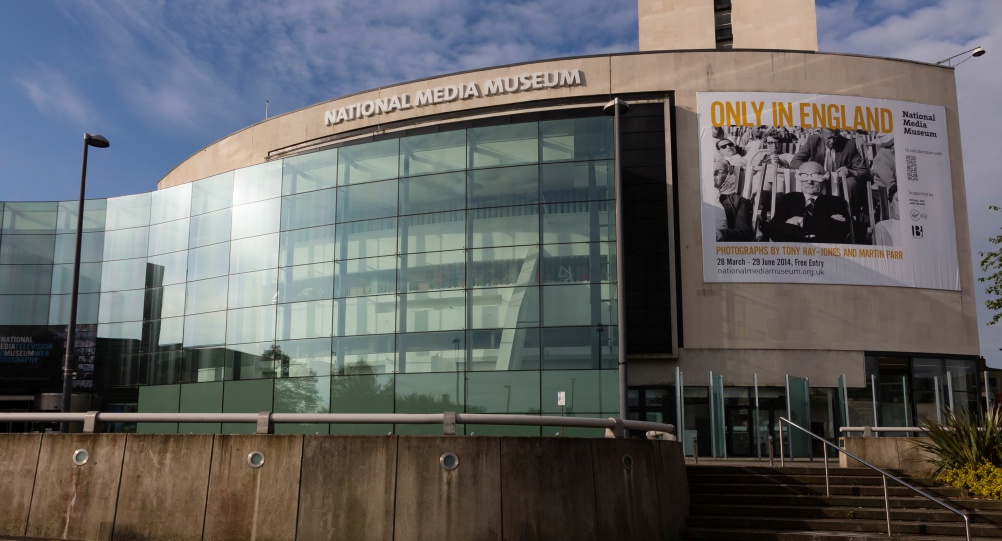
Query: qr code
[[912, 163]]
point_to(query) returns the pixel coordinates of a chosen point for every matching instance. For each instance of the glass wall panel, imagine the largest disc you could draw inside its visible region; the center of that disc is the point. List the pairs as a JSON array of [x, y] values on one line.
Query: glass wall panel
[[433, 311], [312, 319], [87, 308], [313, 171], [965, 384], [252, 361], [435, 270], [503, 392], [167, 269], [925, 391], [203, 364], [25, 279], [375, 200], [429, 393], [577, 181], [121, 306], [579, 222], [503, 145], [579, 347], [566, 263], [583, 304], [163, 334], [161, 368], [257, 183], [364, 354], [504, 186], [205, 329], [433, 193], [250, 324], [91, 248], [577, 139], [161, 399], [62, 278], [198, 398], [128, 211], [255, 219], [308, 209], [365, 315], [368, 393], [166, 301], [506, 307], [306, 357], [433, 153], [246, 397], [128, 336], [370, 276], [253, 289], [209, 261], [206, 295], [209, 228], [505, 226], [367, 162], [170, 204], [213, 193], [123, 274], [94, 214], [433, 232], [503, 349], [304, 246], [369, 238], [126, 243], [255, 253], [30, 217], [309, 394], [27, 249], [24, 309], [431, 352], [168, 237], [306, 282], [518, 265]]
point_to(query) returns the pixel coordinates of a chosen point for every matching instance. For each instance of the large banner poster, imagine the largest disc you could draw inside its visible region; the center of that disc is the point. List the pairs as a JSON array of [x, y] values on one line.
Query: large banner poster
[[819, 189]]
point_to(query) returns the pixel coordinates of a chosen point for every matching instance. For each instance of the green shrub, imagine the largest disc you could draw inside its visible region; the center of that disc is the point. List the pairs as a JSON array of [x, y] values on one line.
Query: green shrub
[[964, 441], [983, 480]]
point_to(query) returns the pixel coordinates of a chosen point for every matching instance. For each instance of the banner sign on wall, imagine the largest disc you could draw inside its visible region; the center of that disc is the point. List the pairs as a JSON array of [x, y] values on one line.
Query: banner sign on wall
[[821, 189]]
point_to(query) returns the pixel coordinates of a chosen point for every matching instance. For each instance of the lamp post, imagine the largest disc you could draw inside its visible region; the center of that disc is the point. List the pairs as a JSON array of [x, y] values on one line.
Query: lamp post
[[96, 141], [615, 108], [975, 52]]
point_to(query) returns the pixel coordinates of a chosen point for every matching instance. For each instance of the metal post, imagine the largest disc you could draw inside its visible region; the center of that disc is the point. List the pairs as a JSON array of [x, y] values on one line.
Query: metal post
[[887, 506], [782, 456], [939, 405], [988, 390], [828, 490], [71, 330], [770, 451], [619, 106], [873, 393], [695, 447]]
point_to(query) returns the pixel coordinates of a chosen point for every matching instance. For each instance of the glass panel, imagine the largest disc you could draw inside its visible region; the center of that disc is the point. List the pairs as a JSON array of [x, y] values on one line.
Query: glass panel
[[370, 238], [167, 301], [167, 269], [128, 211], [311, 319], [503, 145], [26, 279], [87, 307], [205, 329], [94, 213], [924, 388], [306, 282], [433, 311], [62, 278], [504, 349], [578, 347], [367, 162], [170, 204], [577, 139], [121, 306], [27, 249], [250, 324], [504, 266], [435, 270], [209, 228], [362, 394], [30, 217], [433, 193], [431, 352], [308, 209], [376, 200], [364, 354], [433, 153], [429, 393], [370, 276], [433, 232], [203, 364], [255, 253], [163, 334], [257, 183], [159, 399], [365, 315], [581, 181], [506, 307], [251, 361], [303, 395], [306, 357], [306, 246], [207, 295], [246, 397], [213, 193], [168, 237], [199, 398], [128, 335], [91, 248], [24, 309], [253, 288], [256, 219], [209, 261], [504, 186], [126, 243], [579, 222], [584, 304], [503, 392], [124, 274], [313, 171], [505, 226], [565, 263]]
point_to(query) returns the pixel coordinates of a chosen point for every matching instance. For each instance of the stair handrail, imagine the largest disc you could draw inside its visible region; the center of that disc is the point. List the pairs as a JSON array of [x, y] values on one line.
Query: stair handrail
[[884, 476]]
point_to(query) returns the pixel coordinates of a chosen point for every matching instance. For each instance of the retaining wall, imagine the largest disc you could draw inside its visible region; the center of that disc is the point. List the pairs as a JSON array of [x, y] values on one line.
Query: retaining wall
[[144, 487]]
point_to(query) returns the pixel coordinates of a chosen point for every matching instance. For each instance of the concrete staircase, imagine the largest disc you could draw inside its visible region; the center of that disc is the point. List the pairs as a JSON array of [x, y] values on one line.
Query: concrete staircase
[[759, 503]]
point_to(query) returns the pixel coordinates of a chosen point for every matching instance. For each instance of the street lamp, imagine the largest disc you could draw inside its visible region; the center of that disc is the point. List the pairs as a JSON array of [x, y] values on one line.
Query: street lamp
[[975, 52], [615, 108], [96, 141]]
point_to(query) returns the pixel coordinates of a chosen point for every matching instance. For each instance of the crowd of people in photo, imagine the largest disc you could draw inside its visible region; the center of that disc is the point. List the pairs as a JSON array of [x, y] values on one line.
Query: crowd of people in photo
[[805, 185]]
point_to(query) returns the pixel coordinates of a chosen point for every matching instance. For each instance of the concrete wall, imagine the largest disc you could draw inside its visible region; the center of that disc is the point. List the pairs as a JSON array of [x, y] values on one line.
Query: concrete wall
[[891, 453], [676, 24], [202, 487], [774, 24]]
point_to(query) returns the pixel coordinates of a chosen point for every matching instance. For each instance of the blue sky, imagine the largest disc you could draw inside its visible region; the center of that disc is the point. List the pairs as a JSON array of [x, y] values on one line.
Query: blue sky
[[162, 79]]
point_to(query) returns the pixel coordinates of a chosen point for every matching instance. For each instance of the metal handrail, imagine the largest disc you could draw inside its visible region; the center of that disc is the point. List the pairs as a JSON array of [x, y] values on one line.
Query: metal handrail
[[885, 475], [266, 420], [869, 429]]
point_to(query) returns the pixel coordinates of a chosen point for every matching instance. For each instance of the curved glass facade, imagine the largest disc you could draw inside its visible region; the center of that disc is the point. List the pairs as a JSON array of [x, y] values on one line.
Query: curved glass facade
[[463, 269]]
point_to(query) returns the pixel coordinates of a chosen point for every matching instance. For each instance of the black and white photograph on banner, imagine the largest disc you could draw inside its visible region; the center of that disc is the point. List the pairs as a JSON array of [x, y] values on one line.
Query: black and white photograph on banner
[[785, 170]]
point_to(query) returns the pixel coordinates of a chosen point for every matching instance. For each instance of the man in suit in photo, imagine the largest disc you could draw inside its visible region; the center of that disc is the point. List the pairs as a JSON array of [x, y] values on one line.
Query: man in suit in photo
[[837, 155], [809, 215]]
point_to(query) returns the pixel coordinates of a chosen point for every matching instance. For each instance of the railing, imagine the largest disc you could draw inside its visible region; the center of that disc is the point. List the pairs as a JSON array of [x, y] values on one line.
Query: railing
[[266, 420], [884, 475], [870, 430]]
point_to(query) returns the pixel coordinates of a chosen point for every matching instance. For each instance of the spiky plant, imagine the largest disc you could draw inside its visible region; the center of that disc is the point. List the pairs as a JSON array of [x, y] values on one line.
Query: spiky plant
[[964, 440]]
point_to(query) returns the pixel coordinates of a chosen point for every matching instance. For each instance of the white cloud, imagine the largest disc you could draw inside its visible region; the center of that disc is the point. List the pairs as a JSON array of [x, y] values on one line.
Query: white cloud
[[53, 94]]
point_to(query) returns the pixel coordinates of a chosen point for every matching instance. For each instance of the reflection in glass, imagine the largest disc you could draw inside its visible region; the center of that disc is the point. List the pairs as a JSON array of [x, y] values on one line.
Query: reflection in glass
[[313, 171], [306, 357], [308, 209], [364, 354], [433, 193], [203, 364], [579, 347], [310, 319], [166, 301], [123, 274], [504, 186], [94, 214], [507, 307], [433, 232], [503, 145], [430, 393], [433, 153], [253, 288], [126, 243], [577, 181], [24, 309], [30, 217], [367, 393], [27, 249], [505, 226], [250, 324], [169, 204], [504, 349], [310, 394], [579, 222], [205, 329], [367, 162], [26, 279], [431, 352], [91, 248], [255, 253], [304, 246], [213, 193], [121, 306], [255, 219], [503, 392], [252, 361], [369, 238], [257, 183], [167, 269], [577, 139], [517, 265], [580, 304], [209, 228], [365, 315], [62, 278], [433, 311], [432, 271], [168, 237], [367, 202], [306, 282], [207, 295], [128, 211], [87, 307], [371, 276], [568, 263]]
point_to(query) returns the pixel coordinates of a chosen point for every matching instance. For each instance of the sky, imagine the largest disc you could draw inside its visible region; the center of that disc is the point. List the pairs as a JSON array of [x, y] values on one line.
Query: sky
[[162, 79]]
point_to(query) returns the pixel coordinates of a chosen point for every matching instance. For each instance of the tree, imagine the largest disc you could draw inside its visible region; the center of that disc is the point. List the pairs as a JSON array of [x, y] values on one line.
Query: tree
[[991, 265]]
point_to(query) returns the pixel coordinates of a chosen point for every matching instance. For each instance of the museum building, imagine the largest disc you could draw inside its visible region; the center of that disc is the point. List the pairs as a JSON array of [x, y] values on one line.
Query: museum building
[[450, 244]]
